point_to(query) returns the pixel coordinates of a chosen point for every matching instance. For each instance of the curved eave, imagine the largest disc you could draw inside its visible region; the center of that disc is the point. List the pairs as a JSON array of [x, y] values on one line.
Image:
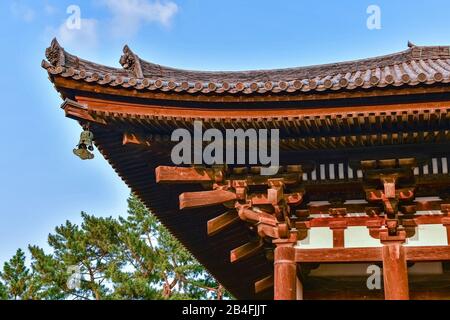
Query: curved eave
[[416, 67], [69, 88]]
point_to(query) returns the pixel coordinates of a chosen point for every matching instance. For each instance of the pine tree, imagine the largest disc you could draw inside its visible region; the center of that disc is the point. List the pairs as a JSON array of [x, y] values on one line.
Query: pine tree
[[19, 283], [105, 258], [3, 292], [162, 267], [84, 252]]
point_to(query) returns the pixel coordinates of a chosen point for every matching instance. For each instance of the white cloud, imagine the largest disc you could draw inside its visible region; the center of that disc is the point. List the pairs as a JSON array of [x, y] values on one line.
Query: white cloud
[[49, 9], [83, 39], [22, 11], [130, 15]]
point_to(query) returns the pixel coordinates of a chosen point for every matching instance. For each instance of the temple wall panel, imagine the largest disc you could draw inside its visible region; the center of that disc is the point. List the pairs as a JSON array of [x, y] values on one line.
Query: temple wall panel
[[428, 235], [318, 238]]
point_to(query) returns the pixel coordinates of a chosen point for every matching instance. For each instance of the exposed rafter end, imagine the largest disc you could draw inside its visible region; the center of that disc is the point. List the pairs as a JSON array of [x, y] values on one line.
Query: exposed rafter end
[[78, 112], [222, 222], [72, 103], [191, 200], [245, 251], [133, 139], [183, 175], [264, 284]]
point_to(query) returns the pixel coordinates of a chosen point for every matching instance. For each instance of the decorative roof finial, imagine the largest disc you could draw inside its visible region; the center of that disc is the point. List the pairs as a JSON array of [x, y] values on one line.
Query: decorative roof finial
[[55, 54], [131, 62], [411, 45]]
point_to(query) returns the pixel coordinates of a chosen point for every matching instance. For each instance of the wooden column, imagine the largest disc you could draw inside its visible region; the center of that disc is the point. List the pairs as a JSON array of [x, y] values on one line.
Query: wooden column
[[285, 271], [395, 271], [299, 289]]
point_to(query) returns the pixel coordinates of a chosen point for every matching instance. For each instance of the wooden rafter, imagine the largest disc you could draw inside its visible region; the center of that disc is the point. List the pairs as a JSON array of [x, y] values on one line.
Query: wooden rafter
[[191, 200], [245, 251], [221, 222], [264, 284], [182, 175]]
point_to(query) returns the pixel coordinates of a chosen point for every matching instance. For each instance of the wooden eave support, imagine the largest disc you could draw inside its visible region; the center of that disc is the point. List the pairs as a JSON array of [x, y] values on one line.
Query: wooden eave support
[[252, 216], [245, 251], [404, 194], [157, 114], [372, 210], [374, 227], [262, 199], [191, 200], [192, 175], [264, 284], [79, 112], [180, 175], [133, 139], [221, 222], [370, 222], [389, 185], [62, 82], [286, 144]]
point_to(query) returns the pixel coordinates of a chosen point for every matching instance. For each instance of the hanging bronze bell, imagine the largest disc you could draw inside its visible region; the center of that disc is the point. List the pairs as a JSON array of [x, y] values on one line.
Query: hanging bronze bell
[[85, 146]]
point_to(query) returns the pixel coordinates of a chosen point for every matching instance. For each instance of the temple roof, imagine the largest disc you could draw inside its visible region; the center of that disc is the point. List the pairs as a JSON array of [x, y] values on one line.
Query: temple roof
[[417, 65], [340, 113]]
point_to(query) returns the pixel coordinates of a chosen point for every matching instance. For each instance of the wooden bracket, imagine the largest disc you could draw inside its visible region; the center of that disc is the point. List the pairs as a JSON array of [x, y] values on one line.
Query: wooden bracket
[[445, 208], [337, 212], [374, 228], [389, 182], [183, 175], [241, 187]]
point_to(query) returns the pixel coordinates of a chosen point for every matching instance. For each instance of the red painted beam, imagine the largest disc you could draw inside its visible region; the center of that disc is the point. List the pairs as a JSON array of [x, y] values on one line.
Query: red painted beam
[[424, 254], [343, 255], [337, 255]]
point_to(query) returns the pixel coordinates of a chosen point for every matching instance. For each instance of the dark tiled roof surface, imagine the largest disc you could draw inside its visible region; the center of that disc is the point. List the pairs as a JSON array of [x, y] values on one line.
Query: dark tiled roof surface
[[417, 65]]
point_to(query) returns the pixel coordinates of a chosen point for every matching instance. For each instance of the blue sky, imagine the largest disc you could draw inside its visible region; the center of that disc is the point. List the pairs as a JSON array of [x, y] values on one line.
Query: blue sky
[[42, 184]]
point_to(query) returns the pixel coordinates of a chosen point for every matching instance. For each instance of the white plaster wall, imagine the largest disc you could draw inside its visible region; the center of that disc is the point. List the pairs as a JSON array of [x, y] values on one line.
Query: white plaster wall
[[358, 237], [428, 235], [361, 269], [318, 238]]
